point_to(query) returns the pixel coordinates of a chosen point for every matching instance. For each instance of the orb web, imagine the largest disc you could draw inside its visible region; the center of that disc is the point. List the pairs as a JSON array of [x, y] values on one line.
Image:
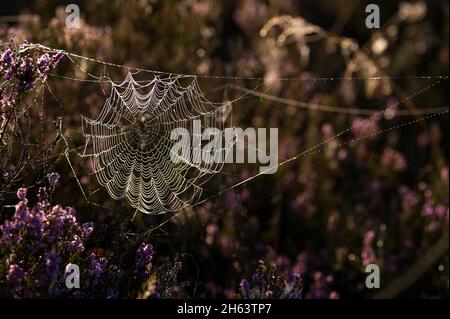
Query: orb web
[[129, 143]]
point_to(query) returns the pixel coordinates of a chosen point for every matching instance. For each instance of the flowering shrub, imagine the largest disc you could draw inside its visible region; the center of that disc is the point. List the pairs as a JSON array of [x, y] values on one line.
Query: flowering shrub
[[21, 70], [39, 241], [266, 282]]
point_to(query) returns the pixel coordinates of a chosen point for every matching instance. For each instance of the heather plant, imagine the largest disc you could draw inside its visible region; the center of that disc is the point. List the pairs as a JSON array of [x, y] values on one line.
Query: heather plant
[[267, 282], [22, 73], [41, 240]]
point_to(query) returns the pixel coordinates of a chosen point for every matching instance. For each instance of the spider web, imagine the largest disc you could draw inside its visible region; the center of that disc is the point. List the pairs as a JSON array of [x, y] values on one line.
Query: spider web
[[129, 144]]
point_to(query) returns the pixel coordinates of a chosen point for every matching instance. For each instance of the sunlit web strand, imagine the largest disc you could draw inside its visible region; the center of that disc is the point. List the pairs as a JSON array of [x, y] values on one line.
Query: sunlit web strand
[[318, 79], [300, 104], [254, 92]]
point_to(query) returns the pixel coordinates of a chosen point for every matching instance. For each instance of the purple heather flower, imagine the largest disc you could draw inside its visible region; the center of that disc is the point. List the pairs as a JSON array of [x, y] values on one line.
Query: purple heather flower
[[318, 289], [368, 253], [22, 213], [53, 178], [260, 281], [423, 139], [37, 224], [442, 210], [75, 245], [43, 197], [408, 196], [26, 66], [24, 46], [432, 226], [435, 210], [394, 159], [444, 173], [87, 229], [364, 127], [245, 287], [369, 237], [43, 63], [428, 209], [15, 275], [56, 59], [9, 229], [144, 255], [6, 57], [9, 74], [6, 228], [22, 193], [96, 267], [52, 261]]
